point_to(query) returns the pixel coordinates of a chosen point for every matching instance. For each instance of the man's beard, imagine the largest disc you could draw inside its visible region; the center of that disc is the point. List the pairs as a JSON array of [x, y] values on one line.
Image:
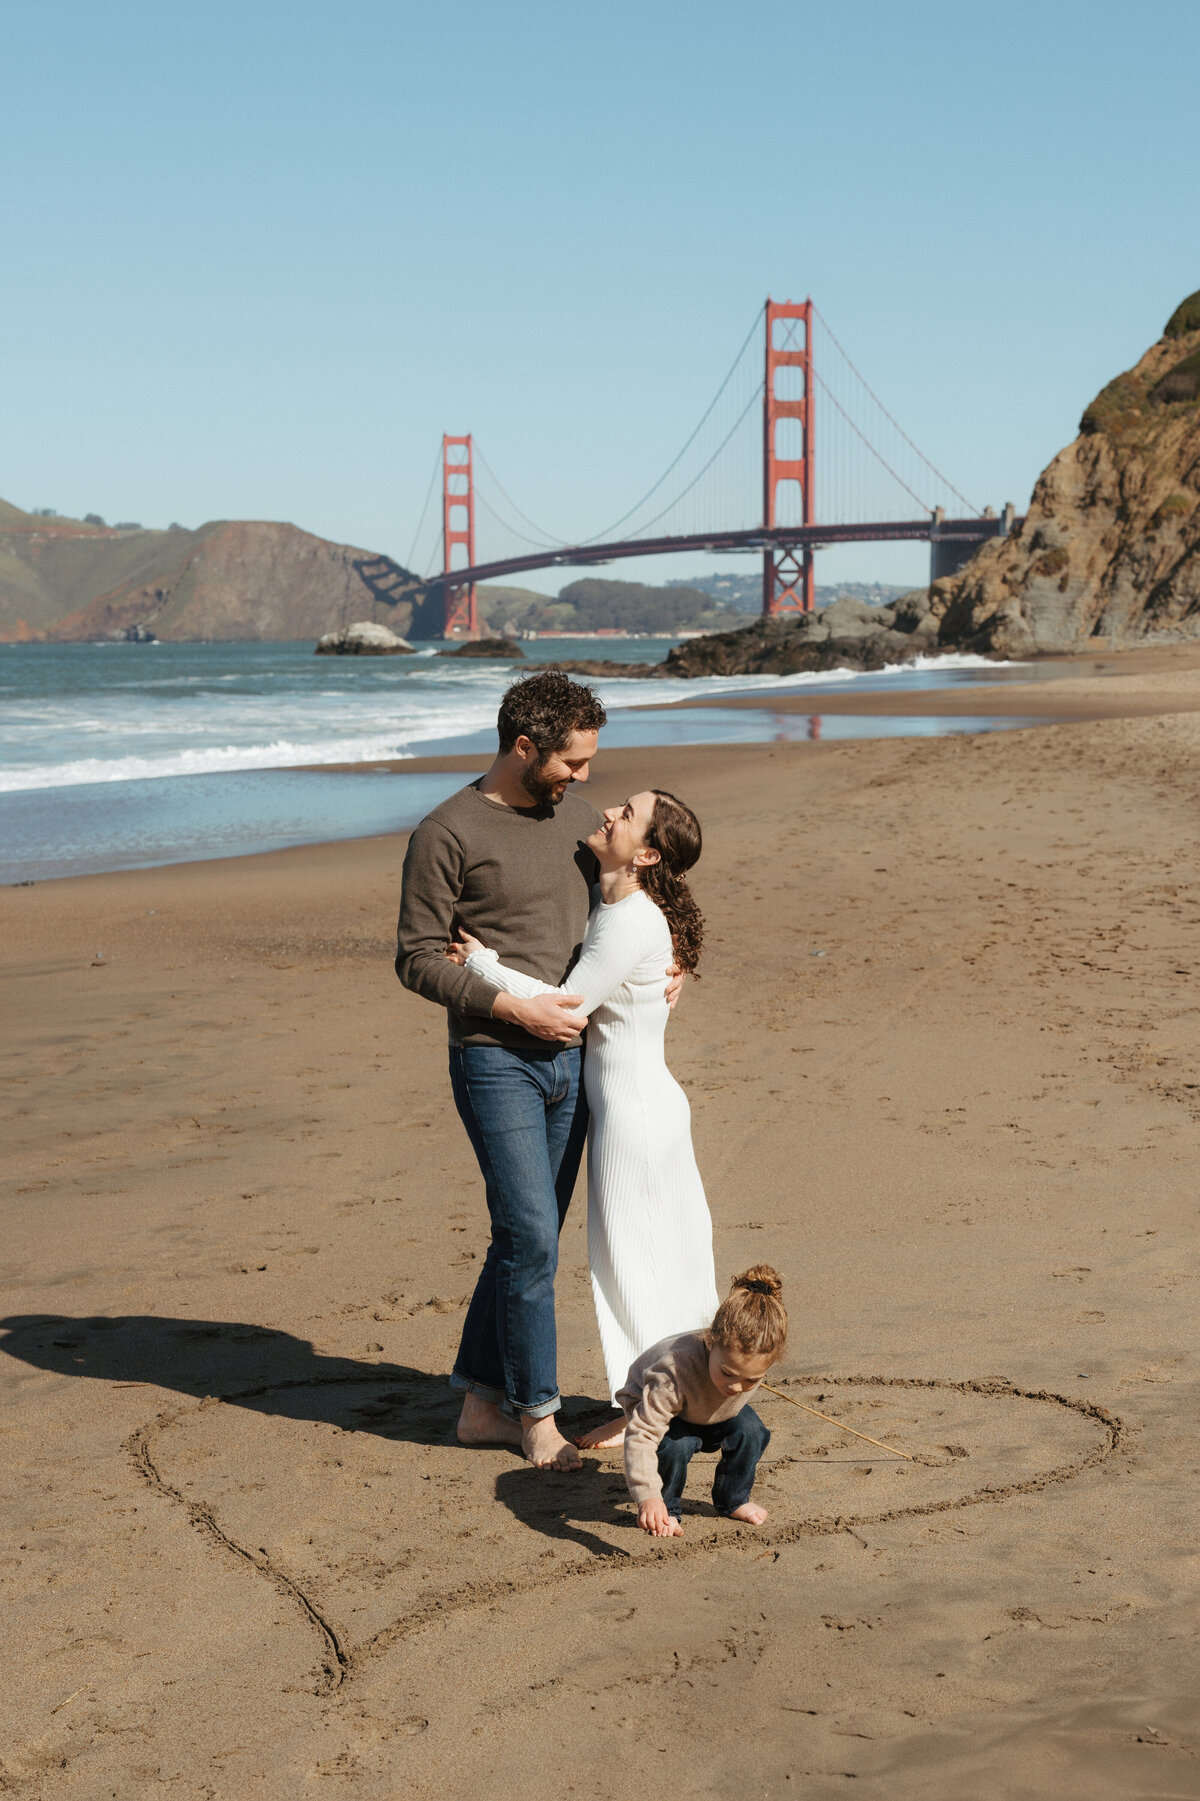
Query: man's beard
[[544, 793]]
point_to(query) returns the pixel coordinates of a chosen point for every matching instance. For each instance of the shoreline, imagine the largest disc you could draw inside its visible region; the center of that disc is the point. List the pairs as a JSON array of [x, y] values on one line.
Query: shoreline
[[188, 820], [621, 763], [1119, 685], [1122, 685]]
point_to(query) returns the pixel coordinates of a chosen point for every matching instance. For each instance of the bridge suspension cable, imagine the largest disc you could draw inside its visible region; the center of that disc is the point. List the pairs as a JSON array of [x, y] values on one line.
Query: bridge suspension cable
[[754, 399], [879, 458], [894, 423], [544, 536], [535, 543], [608, 530], [433, 475]]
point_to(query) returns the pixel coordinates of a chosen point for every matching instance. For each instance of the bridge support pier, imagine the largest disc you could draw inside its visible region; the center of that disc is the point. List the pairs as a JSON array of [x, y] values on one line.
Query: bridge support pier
[[788, 583], [458, 532], [948, 552]]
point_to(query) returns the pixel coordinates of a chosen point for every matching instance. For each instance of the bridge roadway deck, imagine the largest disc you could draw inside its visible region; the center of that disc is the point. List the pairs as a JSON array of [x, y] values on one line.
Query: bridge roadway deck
[[812, 537]]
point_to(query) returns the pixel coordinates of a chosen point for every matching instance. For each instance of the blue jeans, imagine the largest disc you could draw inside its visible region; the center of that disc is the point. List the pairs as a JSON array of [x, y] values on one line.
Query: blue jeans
[[526, 1117], [741, 1442]]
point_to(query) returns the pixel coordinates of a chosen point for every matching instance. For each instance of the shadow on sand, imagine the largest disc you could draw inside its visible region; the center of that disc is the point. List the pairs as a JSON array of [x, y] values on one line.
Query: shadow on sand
[[273, 1373]]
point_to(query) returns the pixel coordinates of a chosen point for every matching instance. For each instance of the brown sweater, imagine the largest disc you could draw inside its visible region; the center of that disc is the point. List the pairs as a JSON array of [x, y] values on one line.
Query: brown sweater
[[518, 878], [670, 1378]]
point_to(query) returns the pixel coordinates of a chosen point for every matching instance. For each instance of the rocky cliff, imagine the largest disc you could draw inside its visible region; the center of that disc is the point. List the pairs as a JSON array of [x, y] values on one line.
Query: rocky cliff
[[1110, 547], [62, 579]]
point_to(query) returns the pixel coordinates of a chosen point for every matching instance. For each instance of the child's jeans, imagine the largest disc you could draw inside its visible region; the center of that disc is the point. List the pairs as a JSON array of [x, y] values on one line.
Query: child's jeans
[[741, 1442]]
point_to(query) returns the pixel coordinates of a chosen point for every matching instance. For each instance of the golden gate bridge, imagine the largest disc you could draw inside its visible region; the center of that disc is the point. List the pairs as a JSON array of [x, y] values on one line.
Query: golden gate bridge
[[778, 387]]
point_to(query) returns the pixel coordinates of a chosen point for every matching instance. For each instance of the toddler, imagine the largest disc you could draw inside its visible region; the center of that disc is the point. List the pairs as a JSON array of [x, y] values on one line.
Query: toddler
[[689, 1394]]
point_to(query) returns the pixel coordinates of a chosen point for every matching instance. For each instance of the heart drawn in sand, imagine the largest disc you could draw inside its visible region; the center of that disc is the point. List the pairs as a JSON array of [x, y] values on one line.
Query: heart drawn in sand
[[373, 1521]]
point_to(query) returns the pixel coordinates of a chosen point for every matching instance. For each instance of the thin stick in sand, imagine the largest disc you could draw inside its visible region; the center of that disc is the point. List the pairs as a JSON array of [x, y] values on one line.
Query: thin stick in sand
[[840, 1424]]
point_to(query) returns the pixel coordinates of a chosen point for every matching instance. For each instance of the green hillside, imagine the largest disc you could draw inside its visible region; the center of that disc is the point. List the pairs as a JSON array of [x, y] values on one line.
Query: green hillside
[[233, 580], [593, 605], [51, 567]]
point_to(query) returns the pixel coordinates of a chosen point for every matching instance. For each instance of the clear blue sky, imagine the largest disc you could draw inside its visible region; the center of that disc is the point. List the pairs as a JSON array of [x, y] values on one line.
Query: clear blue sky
[[260, 256]]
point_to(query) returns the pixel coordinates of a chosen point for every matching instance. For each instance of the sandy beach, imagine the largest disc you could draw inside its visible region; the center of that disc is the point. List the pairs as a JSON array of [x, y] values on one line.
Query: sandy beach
[[943, 1065]]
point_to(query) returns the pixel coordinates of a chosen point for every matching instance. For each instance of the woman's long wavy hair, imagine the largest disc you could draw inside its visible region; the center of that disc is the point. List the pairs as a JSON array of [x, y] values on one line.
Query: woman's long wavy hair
[[674, 833]]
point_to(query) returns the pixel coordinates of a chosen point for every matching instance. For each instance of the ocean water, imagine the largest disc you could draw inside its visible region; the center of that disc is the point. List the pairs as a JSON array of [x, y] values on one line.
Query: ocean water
[[120, 756]]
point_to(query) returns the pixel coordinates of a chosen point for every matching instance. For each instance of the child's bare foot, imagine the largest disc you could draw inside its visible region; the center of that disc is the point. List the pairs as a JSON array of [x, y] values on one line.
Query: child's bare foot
[[483, 1423], [750, 1512], [605, 1437], [546, 1448]]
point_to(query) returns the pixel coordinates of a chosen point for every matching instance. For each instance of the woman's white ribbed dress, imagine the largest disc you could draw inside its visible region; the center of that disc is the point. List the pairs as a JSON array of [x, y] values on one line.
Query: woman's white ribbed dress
[[649, 1230]]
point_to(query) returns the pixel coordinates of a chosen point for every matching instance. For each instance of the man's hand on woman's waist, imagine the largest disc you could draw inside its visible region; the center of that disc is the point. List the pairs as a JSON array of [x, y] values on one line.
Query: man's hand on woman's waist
[[550, 1016]]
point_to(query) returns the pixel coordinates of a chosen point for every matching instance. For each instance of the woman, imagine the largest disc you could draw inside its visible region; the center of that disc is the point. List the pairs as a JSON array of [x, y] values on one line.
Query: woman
[[649, 1230]]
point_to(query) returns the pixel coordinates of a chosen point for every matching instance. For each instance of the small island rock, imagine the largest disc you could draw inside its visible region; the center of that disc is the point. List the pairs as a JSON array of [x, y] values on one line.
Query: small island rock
[[849, 634], [486, 647], [363, 640]]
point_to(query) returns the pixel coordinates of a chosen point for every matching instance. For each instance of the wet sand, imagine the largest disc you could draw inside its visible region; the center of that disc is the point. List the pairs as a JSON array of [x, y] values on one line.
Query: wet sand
[[943, 1069]]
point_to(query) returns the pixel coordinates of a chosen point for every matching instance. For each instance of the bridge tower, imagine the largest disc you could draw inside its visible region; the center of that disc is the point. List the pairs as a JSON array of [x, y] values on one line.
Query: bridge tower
[[788, 570], [458, 532]]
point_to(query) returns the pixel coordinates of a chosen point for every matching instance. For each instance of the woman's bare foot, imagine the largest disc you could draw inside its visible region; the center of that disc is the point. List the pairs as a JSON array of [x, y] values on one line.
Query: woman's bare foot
[[483, 1423], [545, 1447], [750, 1512], [605, 1437]]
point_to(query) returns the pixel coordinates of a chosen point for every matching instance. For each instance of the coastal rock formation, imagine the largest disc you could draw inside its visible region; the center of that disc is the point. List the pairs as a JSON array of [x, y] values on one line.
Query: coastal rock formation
[[597, 666], [1110, 547], [66, 579], [486, 647], [847, 635], [363, 639]]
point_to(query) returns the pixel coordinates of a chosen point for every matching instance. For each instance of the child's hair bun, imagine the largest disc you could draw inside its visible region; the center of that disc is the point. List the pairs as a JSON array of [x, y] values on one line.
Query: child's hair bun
[[752, 1316], [760, 1278]]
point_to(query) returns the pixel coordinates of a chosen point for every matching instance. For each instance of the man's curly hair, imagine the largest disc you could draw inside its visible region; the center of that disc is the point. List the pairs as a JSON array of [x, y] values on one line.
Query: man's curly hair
[[546, 708]]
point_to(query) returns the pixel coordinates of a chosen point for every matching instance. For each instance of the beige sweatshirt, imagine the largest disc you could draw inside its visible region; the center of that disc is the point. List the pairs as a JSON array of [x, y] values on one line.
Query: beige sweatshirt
[[670, 1378]]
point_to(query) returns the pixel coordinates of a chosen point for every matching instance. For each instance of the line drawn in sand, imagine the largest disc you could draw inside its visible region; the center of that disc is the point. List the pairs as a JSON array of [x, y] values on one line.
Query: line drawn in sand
[[339, 1659]]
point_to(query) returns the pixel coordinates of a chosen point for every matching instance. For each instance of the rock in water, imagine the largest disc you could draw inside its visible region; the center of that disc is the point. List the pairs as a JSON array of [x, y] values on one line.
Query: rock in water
[[363, 640], [847, 635], [486, 647], [1111, 544], [608, 666]]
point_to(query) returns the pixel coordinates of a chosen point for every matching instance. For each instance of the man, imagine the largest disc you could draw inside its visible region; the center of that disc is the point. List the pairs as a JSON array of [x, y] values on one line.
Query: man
[[505, 858]]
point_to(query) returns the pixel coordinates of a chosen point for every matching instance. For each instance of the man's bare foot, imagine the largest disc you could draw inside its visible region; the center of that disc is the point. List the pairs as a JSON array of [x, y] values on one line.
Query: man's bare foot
[[602, 1438], [483, 1423], [545, 1447], [750, 1512]]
